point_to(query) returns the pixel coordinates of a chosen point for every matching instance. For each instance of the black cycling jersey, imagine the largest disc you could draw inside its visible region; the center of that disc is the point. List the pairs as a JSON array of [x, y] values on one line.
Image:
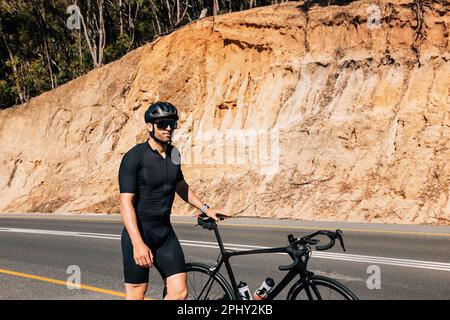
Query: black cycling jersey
[[151, 177]]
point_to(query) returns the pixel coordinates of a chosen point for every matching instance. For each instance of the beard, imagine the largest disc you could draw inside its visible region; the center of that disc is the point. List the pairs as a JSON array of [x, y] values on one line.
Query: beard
[[164, 137], [161, 137]]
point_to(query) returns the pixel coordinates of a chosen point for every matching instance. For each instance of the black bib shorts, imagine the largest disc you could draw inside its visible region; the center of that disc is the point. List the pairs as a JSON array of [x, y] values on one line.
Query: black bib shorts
[[168, 257]]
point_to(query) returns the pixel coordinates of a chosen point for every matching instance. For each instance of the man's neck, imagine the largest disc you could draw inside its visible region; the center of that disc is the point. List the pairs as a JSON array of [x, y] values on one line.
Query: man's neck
[[161, 148]]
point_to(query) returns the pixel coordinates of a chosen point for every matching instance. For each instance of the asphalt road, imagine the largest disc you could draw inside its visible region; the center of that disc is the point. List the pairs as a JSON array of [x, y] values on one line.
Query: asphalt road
[[36, 252]]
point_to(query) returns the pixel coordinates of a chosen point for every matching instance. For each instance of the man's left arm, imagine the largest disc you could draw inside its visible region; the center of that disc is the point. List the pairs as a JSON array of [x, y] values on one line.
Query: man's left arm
[[189, 196]]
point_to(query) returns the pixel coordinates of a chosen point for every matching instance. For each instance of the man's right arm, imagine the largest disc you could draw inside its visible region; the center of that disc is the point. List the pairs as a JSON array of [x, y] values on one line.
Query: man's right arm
[[129, 217], [128, 188], [141, 252]]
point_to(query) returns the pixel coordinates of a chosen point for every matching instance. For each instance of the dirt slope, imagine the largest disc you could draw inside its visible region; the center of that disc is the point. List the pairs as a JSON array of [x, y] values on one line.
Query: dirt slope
[[354, 121]]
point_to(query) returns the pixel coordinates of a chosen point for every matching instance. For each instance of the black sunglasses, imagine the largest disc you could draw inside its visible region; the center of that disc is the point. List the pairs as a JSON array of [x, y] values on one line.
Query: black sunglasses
[[163, 124]]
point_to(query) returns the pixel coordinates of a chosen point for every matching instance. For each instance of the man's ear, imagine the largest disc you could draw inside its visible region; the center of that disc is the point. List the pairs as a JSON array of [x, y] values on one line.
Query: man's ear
[[150, 127]]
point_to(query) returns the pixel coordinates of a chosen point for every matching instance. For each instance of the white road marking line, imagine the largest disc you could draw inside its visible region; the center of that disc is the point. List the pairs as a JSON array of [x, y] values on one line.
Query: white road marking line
[[62, 233], [352, 256], [431, 265]]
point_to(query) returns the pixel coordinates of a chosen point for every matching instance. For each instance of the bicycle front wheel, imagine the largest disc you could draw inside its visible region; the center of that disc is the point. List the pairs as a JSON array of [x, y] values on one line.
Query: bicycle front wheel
[[320, 288], [203, 286]]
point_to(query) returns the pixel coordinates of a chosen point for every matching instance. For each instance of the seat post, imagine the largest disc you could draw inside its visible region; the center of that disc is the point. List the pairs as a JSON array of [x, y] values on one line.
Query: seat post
[[219, 239]]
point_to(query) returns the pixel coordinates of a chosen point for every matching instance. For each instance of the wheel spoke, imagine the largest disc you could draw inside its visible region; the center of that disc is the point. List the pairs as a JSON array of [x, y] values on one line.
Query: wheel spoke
[[203, 286], [192, 286]]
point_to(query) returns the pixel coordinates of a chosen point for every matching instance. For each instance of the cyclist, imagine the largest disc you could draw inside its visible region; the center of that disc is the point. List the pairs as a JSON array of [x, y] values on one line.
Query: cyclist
[[149, 176]]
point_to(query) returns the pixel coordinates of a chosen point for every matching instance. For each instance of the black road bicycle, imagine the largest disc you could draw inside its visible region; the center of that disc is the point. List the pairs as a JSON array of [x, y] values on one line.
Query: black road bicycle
[[206, 283]]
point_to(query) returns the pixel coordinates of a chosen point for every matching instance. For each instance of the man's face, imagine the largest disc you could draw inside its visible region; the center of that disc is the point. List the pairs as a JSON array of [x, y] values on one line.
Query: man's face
[[164, 128]]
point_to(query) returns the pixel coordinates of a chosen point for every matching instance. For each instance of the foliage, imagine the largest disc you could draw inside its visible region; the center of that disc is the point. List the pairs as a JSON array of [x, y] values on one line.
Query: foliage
[[39, 52]]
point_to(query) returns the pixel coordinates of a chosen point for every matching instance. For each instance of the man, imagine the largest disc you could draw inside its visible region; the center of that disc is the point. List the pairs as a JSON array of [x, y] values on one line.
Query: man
[[148, 180]]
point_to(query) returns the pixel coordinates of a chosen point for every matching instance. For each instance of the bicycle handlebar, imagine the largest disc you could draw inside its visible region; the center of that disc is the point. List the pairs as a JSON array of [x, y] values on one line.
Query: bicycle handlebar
[[207, 222], [309, 239], [332, 236], [305, 241]]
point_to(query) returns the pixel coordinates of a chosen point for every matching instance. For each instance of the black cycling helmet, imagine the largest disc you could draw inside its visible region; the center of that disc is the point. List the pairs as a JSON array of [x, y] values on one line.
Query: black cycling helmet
[[160, 110]]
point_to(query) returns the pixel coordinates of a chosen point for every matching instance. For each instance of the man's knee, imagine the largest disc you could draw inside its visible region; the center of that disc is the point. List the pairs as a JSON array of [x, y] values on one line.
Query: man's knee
[[180, 293], [135, 291], [176, 287]]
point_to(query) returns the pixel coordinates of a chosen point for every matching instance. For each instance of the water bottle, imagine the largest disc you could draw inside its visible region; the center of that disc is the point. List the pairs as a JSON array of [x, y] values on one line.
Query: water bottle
[[263, 291], [244, 291]]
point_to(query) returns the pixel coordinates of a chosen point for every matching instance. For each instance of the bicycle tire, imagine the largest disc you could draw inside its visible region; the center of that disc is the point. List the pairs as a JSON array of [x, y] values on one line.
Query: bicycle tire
[[299, 291], [222, 289]]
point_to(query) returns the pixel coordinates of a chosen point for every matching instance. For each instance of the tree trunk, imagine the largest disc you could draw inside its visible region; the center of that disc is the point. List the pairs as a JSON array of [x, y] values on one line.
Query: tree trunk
[[180, 19], [169, 12], [80, 52], [155, 14], [49, 63], [215, 8], [16, 77], [101, 32], [120, 18], [132, 24], [92, 50]]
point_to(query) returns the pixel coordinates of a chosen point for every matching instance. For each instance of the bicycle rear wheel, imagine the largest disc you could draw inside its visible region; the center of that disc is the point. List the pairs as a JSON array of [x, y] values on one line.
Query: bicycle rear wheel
[[202, 286], [321, 288]]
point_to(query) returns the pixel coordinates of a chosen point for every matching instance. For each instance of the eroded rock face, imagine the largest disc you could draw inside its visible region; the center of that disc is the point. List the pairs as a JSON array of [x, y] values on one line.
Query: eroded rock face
[[334, 120]]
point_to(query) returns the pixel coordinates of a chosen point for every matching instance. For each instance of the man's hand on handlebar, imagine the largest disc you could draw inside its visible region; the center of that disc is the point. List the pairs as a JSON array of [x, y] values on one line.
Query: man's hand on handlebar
[[215, 214]]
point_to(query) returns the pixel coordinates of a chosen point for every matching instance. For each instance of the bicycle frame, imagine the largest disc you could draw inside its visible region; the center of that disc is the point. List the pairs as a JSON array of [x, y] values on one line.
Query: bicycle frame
[[225, 256]]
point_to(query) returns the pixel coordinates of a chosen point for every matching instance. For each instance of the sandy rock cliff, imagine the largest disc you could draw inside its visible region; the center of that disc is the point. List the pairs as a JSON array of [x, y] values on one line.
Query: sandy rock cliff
[[326, 113]]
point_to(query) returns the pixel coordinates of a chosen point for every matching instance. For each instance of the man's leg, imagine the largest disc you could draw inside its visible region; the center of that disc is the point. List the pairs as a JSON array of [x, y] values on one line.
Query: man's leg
[[136, 277], [176, 287], [135, 291]]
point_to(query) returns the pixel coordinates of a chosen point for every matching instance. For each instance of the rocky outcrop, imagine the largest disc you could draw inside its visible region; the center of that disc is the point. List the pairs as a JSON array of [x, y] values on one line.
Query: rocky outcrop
[[320, 113]]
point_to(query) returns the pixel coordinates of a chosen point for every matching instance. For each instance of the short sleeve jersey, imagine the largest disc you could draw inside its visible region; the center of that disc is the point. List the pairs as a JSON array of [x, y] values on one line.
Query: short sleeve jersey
[[151, 177]]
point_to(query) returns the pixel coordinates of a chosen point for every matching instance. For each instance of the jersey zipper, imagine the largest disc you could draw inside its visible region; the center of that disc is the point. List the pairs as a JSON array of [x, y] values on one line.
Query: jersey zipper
[[167, 177]]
